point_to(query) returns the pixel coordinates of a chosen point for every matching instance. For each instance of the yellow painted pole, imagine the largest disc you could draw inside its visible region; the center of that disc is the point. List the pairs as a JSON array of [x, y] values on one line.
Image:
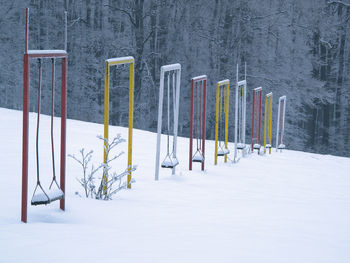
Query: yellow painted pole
[[265, 125], [108, 64], [270, 124], [106, 123], [216, 125], [226, 117], [131, 111]]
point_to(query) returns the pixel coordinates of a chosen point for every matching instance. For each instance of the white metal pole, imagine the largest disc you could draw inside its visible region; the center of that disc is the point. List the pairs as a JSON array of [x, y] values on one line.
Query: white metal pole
[[278, 122], [236, 114], [284, 114], [65, 30], [159, 127], [178, 80], [244, 113]]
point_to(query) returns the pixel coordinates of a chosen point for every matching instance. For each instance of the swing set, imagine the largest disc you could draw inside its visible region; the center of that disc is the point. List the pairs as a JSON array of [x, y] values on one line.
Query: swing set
[[56, 191], [221, 128], [199, 89], [108, 63], [240, 115], [268, 122], [256, 119], [171, 74]]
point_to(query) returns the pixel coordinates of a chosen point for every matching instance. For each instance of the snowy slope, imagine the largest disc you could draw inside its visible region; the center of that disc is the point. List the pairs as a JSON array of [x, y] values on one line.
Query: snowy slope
[[289, 207]]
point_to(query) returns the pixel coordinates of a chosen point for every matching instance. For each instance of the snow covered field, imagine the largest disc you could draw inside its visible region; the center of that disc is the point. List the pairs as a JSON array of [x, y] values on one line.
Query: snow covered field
[[289, 207]]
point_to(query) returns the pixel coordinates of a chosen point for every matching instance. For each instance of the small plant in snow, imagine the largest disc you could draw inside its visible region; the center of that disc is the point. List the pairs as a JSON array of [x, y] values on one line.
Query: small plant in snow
[[109, 183], [88, 180]]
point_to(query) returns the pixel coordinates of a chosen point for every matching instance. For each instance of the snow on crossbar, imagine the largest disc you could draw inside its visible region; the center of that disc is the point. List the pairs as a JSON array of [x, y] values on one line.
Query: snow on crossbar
[[223, 82], [120, 60], [170, 67], [202, 77]]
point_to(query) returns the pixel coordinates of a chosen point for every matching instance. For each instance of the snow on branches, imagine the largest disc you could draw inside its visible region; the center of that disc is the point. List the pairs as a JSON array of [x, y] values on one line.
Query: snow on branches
[[111, 182]]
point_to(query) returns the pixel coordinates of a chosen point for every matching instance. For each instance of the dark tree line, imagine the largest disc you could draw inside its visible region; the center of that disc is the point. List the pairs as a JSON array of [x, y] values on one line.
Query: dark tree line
[[296, 48]]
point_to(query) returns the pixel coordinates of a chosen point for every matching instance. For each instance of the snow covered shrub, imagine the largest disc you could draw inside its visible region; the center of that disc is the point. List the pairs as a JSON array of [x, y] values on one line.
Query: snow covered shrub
[[111, 182]]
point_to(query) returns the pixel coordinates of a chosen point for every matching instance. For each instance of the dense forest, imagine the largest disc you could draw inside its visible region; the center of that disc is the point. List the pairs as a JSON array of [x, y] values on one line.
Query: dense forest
[[298, 48]]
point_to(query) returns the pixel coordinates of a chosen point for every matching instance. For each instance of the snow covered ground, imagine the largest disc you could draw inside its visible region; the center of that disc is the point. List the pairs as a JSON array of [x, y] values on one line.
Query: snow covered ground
[[284, 207]]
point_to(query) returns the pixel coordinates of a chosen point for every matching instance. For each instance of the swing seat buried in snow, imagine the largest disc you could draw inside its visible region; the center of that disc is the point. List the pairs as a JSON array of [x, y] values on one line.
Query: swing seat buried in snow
[[170, 162], [240, 146], [46, 198], [198, 157], [256, 146], [268, 146], [222, 152], [281, 146]]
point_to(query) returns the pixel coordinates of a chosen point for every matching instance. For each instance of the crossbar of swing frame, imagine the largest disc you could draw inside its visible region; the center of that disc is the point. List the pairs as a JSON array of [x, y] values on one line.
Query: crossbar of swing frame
[[108, 63], [244, 104], [33, 54], [268, 106], [167, 68], [201, 79], [284, 99], [255, 91], [226, 84]]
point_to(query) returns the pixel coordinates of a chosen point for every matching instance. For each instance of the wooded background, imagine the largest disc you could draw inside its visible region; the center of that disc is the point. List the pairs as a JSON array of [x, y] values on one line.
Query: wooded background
[[298, 48]]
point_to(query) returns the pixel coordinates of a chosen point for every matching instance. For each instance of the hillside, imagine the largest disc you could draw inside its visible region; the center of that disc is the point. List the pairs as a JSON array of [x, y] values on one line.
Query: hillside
[[284, 207]]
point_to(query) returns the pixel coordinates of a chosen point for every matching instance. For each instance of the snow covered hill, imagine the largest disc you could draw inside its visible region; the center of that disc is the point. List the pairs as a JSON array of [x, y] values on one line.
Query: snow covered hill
[[284, 207]]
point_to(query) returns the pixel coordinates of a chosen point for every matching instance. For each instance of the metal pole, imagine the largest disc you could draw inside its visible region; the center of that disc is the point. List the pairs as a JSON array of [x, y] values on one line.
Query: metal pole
[[131, 116], [65, 30], [26, 33], [25, 138], [178, 80], [270, 124], [259, 116], [284, 114], [244, 112], [216, 125], [63, 131], [191, 126], [25, 127], [236, 114], [253, 120], [159, 127], [106, 124], [226, 118], [278, 122], [204, 115], [265, 125]]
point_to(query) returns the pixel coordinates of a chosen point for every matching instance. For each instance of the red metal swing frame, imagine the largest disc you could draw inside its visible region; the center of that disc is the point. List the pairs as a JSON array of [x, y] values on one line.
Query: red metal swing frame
[[37, 54], [201, 82], [257, 94]]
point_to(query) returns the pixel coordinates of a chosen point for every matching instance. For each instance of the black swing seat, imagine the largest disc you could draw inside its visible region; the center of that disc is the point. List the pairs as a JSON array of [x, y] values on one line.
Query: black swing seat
[[45, 198], [240, 146], [256, 146], [268, 146], [169, 162], [222, 152], [198, 157], [281, 146]]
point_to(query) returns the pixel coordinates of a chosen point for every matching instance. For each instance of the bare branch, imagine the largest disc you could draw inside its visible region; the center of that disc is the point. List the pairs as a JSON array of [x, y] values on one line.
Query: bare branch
[[149, 35], [338, 2], [132, 20], [266, 16]]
